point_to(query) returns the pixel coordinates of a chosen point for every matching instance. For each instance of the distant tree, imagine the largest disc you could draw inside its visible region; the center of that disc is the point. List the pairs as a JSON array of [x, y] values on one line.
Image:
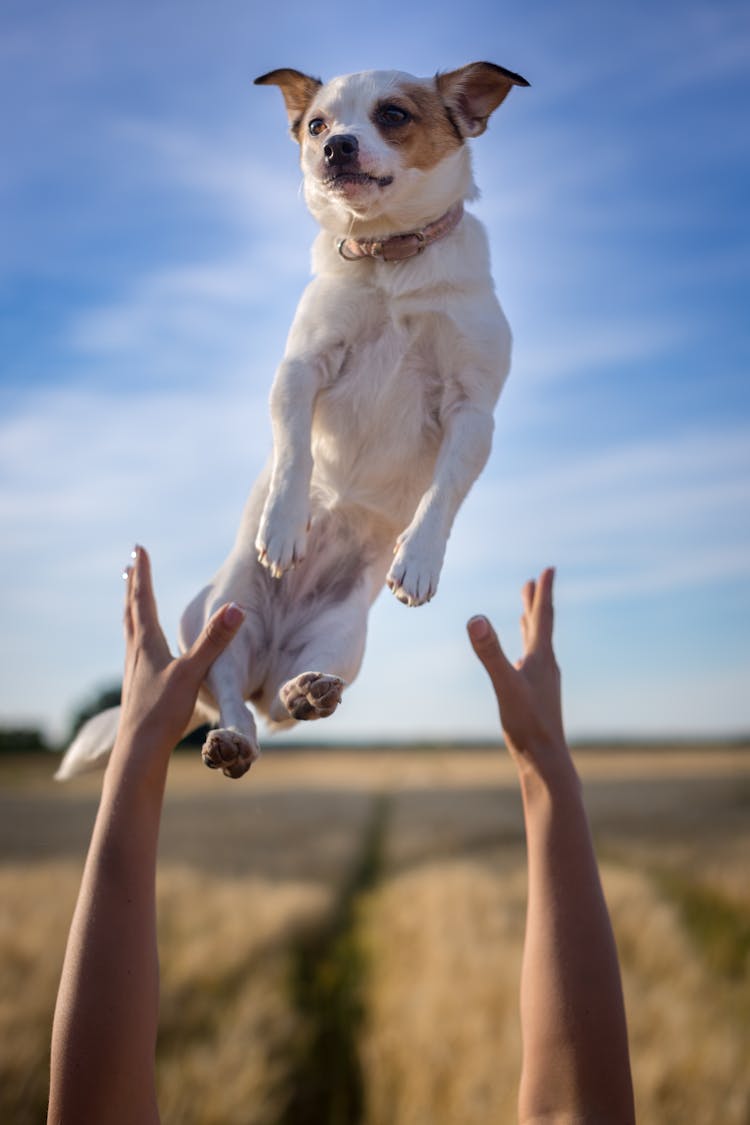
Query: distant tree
[[14, 740], [105, 697]]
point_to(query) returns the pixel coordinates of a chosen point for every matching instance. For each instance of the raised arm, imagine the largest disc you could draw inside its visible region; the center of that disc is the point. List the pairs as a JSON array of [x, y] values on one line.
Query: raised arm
[[104, 1030], [576, 1067]]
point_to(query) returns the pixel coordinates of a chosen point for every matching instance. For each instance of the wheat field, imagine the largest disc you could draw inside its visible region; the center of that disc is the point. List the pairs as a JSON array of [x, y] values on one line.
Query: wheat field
[[341, 933]]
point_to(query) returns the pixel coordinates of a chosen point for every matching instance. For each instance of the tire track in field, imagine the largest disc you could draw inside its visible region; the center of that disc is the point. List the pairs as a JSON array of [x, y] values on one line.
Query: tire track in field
[[326, 982]]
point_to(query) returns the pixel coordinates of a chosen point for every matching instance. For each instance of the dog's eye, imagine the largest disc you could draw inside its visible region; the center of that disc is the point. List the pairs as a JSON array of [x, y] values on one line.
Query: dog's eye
[[392, 115], [316, 126]]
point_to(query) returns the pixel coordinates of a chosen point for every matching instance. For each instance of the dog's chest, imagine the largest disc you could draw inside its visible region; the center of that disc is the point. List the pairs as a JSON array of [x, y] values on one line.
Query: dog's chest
[[379, 419], [389, 377]]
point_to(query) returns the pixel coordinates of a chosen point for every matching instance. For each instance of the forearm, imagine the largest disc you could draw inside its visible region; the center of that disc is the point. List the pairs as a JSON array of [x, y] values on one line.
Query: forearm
[[105, 1025], [104, 1030], [572, 1013]]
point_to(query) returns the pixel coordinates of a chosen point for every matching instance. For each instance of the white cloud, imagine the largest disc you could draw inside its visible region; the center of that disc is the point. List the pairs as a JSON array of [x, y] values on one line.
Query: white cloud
[[250, 192], [709, 44], [572, 350], [88, 474], [176, 320], [623, 523], [85, 475]]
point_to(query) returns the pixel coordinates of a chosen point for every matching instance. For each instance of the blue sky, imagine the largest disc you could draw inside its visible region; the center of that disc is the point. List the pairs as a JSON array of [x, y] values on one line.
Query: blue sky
[[153, 245]]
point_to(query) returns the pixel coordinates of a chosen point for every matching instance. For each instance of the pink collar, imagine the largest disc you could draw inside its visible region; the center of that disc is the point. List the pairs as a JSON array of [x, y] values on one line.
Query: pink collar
[[400, 246]]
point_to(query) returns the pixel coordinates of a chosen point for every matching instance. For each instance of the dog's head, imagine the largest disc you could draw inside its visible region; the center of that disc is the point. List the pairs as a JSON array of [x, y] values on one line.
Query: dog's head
[[383, 150]]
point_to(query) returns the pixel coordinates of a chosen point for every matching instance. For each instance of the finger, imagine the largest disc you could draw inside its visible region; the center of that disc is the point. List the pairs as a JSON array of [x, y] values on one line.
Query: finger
[[128, 613], [525, 632], [543, 610], [527, 599], [145, 614], [487, 647], [215, 637]]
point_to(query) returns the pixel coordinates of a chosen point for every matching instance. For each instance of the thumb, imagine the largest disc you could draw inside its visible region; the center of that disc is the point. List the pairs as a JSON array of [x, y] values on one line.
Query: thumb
[[216, 635], [487, 647]]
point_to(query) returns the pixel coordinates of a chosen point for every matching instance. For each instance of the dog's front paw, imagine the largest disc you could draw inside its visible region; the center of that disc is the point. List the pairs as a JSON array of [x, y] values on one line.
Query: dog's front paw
[[229, 751], [415, 570], [282, 536], [312, 695]]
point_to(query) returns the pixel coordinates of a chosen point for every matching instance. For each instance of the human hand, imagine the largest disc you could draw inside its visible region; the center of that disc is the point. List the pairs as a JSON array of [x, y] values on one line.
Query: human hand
[[528, 692], [159, 691]]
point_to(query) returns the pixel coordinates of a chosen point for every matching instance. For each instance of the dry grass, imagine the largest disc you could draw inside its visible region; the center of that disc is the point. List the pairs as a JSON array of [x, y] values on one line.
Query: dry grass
[[36, 904], [226, 1020], [245, 868], [688, 1024], [227, 1024], [441, 1042]]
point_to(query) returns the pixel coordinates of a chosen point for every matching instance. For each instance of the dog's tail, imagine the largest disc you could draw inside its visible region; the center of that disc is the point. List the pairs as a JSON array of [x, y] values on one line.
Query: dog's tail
[[91, 747]]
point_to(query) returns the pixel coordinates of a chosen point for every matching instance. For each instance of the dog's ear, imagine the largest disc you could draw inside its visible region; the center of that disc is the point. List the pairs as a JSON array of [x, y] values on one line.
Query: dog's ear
[[472, 93], [297, 89]]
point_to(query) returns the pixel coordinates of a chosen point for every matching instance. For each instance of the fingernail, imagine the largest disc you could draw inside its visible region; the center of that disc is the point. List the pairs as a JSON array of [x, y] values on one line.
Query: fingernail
[[233, 615], [478, 628]]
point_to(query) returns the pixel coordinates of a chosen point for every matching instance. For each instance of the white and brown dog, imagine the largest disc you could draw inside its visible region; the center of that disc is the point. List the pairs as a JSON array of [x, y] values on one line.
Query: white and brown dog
[[381, 408]]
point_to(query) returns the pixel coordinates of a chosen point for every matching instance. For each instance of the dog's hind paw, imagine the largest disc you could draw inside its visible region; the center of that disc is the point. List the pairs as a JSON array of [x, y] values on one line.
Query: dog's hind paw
[[312, 695], [229, 751]]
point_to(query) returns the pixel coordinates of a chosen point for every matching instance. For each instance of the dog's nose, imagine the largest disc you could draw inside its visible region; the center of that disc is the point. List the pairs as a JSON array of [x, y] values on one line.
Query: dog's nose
[[341, 149]]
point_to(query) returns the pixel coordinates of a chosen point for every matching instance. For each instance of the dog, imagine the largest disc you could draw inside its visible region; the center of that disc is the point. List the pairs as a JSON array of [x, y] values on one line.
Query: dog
[[381, 409]]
